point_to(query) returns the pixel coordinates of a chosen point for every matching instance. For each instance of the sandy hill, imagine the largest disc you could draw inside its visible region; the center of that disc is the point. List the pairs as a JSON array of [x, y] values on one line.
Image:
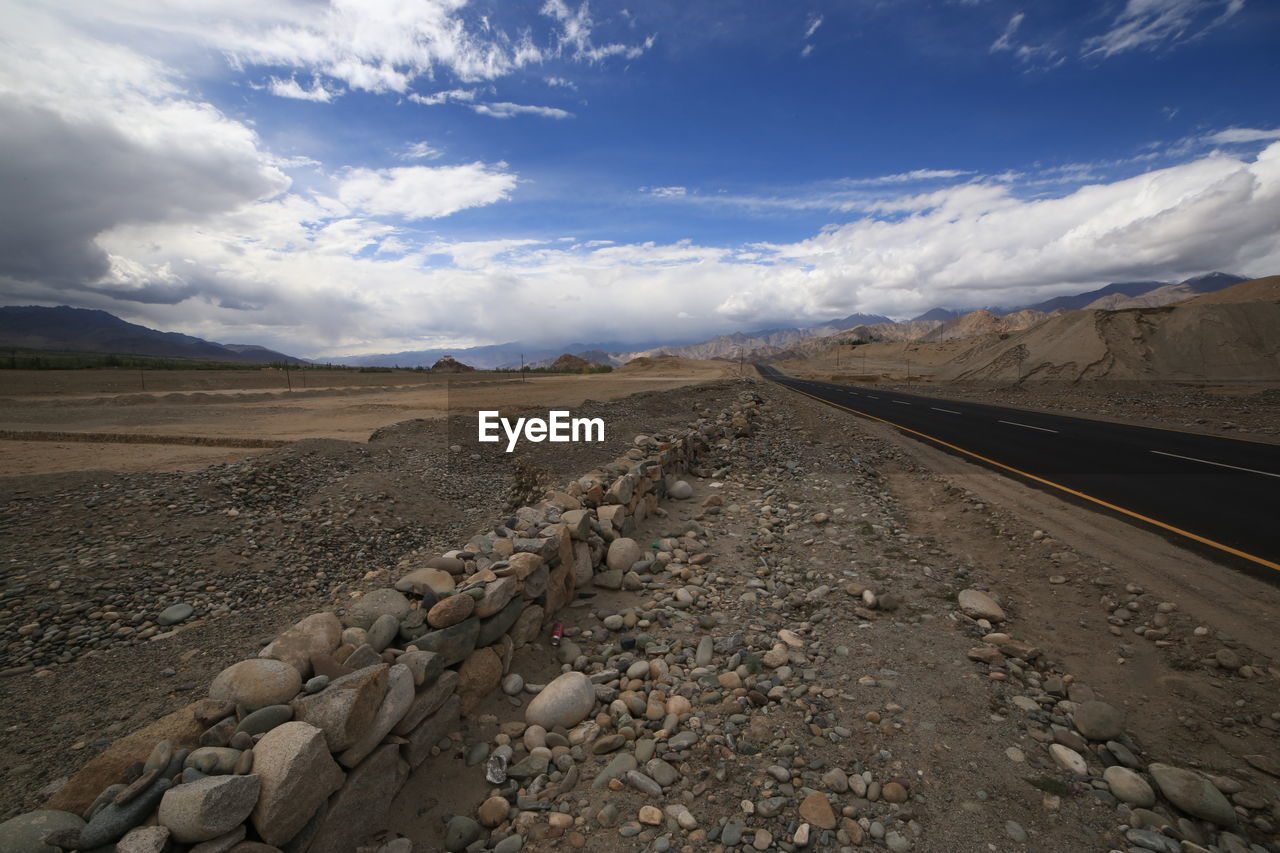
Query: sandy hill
[[672, 366], [571, 362], [1256, 290], [984, 322], [1215, 341]]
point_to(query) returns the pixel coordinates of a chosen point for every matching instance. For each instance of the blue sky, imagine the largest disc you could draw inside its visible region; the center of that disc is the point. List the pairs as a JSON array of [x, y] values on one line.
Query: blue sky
[[378, 175]]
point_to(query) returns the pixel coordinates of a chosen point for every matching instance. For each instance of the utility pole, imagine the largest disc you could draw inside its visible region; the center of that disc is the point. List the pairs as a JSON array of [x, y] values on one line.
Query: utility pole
[[142, 377], [287, 377], [522, 378]]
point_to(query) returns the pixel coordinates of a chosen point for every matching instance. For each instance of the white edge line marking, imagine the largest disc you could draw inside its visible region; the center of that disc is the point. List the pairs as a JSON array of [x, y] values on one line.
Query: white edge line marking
[[1219, 464], [902, 402], [1027, 426], [948, 411]]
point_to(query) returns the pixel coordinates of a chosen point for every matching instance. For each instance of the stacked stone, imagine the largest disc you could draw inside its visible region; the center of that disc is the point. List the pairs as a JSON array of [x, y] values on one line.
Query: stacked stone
[[304, 747]]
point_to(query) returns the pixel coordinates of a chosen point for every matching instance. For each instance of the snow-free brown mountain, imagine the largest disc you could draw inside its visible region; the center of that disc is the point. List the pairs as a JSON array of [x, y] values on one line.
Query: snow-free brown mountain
[[66, 329]]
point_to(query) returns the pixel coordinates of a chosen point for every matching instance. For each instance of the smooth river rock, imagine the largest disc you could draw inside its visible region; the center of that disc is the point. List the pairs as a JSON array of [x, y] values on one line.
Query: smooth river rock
[[1193, 793], [978, 605], [257, 683], [566, 701]]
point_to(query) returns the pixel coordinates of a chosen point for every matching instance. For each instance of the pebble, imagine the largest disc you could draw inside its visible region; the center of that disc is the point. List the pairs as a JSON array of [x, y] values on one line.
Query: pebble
[[175, 613]]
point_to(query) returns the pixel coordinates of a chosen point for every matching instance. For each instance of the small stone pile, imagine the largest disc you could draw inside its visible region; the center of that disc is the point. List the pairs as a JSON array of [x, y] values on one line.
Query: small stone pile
[[304, 747]]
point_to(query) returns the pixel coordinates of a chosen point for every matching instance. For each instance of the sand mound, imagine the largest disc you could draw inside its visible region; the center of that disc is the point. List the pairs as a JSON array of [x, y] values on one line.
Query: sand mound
[[1256, 290], [1218, 341]]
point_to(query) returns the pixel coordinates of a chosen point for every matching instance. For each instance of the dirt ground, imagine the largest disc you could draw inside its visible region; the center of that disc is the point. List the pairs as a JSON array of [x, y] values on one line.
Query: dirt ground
[[208, 407], [909, 523], [888, 692]]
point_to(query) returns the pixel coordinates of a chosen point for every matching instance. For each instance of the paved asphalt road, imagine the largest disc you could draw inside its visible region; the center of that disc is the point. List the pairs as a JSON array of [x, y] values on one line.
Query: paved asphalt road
[[1222, 494]]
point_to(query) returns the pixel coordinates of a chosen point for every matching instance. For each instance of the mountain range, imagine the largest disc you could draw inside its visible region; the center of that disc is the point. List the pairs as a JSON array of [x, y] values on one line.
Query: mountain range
[[66, 329], [83, 330]]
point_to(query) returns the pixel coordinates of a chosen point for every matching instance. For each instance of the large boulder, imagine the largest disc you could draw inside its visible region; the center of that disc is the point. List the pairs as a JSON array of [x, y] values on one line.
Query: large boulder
[[1193, 793], [257, 683], [1129, 787], [297, 775], [565, 702], [496, 595], [366, 609], [360, 807], [623, 554], [478, 675], [25, 833], [498, 624], [395, 704], [427, 702], [978, 605], [206, 808], [524, 564], [422, 582], [527, 625], [318, 634], [1099, 721], [110, 823], [345, 709], [449, 611], [454, 644]]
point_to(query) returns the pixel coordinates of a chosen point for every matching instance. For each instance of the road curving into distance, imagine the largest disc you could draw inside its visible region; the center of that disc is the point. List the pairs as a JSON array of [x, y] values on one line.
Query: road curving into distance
[[1220, 495]]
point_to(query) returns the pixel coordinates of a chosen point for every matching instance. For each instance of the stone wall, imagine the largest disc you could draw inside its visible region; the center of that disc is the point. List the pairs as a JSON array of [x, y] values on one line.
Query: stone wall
[[303, 747]]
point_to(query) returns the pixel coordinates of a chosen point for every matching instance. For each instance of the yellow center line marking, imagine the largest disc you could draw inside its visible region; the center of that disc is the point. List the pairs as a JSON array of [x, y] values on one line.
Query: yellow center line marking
[[1219, 464], [1178, 530]]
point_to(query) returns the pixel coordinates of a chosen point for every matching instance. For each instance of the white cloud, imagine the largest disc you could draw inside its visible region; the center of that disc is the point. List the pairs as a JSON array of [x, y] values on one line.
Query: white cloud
[[665, 192], [805, 51], [504, 109], [576, 35], [444, 97], [561, 82], [1234, 135], [814, 23], [420, 151], [290, 88], [1035, 56], [914, 175], [1005, 42], [311, 263], [97, 136], [1148, 24], [425, 192], [380, 46]]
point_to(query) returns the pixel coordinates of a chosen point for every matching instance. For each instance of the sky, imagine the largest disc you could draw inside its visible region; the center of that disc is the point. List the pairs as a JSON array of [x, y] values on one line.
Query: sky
[[354, 176]]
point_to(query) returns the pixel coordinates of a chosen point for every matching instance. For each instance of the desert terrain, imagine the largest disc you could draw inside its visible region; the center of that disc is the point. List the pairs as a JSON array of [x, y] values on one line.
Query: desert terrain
[[847, 538], [192, 418]]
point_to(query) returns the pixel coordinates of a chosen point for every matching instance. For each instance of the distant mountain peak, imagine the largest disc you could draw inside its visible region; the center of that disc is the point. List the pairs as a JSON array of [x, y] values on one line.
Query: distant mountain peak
[[90, 330], [941, 315]]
